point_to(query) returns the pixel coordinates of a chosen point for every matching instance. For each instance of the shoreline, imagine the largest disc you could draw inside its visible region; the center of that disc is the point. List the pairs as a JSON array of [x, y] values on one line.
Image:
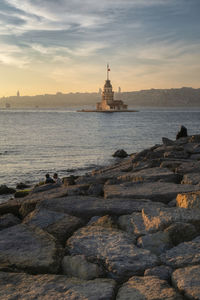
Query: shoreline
[[130, 227]]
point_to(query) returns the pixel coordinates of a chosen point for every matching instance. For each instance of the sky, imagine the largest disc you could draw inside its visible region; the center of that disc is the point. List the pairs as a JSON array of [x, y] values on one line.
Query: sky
[[49, 46]]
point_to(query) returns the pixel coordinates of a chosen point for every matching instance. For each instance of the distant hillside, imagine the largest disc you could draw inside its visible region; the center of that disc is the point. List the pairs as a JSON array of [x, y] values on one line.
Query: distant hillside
[[148, 98]]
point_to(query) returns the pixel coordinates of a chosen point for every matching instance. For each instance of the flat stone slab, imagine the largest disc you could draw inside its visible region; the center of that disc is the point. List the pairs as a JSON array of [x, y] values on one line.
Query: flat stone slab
[[53, 287], [87, 207], [114, 248], [147, 288], [155, 191], [185, 254], [31, 249], [188, 200], [187, 281], [60, 225], [151, 174], [160, 218]]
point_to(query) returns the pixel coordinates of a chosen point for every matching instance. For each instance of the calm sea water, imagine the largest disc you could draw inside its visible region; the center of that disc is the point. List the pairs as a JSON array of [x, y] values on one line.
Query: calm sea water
[[34, 142]]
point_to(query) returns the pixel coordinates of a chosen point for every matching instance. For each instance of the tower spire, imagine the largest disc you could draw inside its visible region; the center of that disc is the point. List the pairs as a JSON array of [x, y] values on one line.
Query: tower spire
[[108, 70]]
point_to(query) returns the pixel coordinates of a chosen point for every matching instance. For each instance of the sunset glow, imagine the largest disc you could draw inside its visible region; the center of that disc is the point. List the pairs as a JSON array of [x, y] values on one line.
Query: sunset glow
[[49, 46]]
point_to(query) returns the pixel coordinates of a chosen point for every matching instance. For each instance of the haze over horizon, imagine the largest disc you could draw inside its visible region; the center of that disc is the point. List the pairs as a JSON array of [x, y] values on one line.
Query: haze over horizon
[[49, 46]]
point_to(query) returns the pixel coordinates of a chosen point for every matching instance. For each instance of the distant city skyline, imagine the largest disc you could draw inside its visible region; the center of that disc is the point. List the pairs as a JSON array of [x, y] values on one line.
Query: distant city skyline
[[49, 46]]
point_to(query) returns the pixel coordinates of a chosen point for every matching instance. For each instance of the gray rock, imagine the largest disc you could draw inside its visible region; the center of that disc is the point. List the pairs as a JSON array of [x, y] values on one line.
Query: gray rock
[[192, 148], [191, 178], [157, 219], [105, 221], [172, 203], [155, 191], [194, 139], [188, 167], [188, 200], [162, 272], [147, 288], [182, 132], [150, 174], [195, 156], [133, 224], [114, 248], [157, 242], [78, 266], [176, 154], [185, 254], [120, 153], [60, 225], [8, 220], [87, 207], [11, 206], [171, 164], [53, 287], [167, 142], [95, 189], [29, 203], [181, 232], [4, 190], [80, 189], [30, 249], [187, 281]]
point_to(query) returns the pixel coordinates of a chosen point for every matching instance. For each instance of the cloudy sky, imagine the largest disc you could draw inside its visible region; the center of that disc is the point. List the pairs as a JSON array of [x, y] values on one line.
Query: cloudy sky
[[64, 45]]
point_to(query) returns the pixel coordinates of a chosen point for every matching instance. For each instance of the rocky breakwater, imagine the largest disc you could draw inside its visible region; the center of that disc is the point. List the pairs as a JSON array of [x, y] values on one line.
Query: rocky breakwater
[[127, 231]]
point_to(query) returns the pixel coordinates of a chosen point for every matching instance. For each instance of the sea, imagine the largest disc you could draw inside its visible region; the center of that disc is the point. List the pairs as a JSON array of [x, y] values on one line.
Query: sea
[[34, 142]]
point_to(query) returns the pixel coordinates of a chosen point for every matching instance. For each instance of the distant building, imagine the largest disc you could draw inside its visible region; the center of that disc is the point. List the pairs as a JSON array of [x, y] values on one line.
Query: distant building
[[100, 91], [108, 103], [119, 90]]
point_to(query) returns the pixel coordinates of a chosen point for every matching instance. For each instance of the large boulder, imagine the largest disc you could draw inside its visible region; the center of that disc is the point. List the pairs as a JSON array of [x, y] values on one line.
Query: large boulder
[[181, 232], [157, 242], [8, 220], [162, 272], [78, 266], [31, 249], [187, 281], [147, 288], [120, 153], [188, 200], [53, 287], [185, 254], [182, 132], [87, 207], [133, 224], [29, 203], [60, 225], [155, 191], [114, 248], [105, 221], [157, 219]]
